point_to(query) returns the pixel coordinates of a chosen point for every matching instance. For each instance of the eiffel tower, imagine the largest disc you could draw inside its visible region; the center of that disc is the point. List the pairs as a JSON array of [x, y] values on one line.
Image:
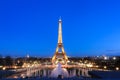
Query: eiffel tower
[[60, 55]]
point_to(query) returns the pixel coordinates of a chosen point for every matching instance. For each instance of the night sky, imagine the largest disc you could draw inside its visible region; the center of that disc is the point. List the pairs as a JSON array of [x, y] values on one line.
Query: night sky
[[90, 27]]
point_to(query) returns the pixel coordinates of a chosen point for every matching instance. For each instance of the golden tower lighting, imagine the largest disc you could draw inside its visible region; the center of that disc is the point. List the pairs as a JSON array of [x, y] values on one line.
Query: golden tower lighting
[[60, 55]]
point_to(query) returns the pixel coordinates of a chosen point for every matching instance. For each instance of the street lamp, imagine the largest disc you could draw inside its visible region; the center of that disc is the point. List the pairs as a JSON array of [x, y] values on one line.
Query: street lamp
[[15, 67], [105, 67], [117, 68], [4, 68]]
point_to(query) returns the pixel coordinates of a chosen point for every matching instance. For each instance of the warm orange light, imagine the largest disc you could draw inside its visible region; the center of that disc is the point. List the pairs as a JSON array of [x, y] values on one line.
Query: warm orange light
[[23, 66], [89, 65], [97, 66], [15, 67], [117, 68], [4, 68], [105, 67], [28, 66]]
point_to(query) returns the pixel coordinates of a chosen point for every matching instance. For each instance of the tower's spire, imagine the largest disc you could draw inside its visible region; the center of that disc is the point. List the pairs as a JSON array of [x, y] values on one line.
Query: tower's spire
[[60, 55], [60, 18], [60, 31]]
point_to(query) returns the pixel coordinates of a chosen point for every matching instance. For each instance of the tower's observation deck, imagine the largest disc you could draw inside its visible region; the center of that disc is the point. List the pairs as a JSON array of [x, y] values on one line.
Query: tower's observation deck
[[60, 55]]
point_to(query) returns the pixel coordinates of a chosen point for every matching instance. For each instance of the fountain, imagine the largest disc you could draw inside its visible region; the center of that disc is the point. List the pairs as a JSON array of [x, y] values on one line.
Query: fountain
[[59, 71]]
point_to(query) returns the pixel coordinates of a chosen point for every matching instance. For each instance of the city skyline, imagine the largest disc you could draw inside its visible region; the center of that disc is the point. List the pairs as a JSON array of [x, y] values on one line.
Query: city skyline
[[90, 28]]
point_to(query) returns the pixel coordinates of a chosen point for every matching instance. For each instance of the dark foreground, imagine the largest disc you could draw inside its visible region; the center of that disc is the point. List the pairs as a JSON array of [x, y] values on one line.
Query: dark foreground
[[46, 78]]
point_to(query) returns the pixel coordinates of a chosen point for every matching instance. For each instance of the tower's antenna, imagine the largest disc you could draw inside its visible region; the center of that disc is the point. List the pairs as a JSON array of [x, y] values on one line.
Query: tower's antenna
[[60, 18]]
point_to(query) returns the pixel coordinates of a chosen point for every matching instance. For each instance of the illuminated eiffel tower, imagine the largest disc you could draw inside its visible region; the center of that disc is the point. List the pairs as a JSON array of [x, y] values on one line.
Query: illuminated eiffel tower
[[60, 55]]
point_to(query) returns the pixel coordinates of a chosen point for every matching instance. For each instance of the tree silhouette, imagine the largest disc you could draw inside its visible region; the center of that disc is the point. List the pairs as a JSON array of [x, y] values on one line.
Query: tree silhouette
[[1, 61], [8, 61]]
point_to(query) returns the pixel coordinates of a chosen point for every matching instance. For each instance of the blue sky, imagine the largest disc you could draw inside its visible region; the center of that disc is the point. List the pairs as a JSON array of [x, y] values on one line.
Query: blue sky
[[90, 27]]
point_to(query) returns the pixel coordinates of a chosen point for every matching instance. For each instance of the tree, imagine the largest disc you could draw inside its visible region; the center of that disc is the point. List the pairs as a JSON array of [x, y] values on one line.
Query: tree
[[8, 61], [1, 61]]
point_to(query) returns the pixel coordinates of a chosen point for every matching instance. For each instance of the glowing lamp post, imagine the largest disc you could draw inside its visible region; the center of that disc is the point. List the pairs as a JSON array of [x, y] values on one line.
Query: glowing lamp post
[[105, 67], [4, 68], [117, 68]]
